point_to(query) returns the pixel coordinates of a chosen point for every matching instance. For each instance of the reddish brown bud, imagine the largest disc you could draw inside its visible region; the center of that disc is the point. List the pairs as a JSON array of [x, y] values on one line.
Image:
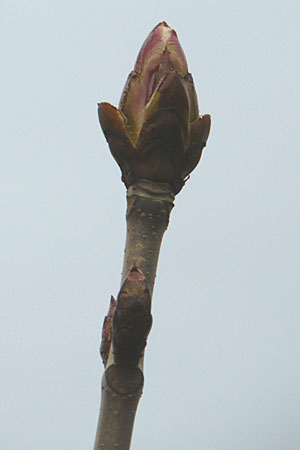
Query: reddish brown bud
[[132, 319], [155, 132], [107, 331]]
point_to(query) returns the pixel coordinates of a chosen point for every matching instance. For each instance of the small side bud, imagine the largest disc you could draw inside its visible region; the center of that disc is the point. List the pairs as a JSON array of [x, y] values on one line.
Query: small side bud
[[132, 319], [107, 331]]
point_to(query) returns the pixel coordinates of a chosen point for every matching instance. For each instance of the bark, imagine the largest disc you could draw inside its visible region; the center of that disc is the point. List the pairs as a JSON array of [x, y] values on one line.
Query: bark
[[121, 391], [148, 209]]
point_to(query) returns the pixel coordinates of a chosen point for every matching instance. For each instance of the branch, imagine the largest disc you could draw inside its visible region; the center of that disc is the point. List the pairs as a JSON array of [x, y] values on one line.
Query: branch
[[129, 320], [156, 137]]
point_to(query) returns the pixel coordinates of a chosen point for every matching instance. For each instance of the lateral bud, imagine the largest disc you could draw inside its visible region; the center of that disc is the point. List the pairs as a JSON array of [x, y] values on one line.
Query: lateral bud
[[132, 319], [107, 331]]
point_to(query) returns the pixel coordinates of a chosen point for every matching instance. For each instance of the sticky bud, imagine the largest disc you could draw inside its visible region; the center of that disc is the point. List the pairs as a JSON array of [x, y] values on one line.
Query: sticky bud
[[132, 319], [157, 133]]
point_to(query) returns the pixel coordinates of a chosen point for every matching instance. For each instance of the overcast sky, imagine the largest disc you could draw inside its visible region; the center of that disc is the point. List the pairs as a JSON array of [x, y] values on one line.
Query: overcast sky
[[222, 362]]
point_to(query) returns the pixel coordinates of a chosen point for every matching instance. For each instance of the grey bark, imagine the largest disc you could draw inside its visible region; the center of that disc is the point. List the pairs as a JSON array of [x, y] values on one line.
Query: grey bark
[[148, 209]]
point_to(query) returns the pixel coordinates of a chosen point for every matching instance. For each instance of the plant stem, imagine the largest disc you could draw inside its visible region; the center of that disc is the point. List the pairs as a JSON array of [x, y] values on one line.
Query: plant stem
[[148, 208]]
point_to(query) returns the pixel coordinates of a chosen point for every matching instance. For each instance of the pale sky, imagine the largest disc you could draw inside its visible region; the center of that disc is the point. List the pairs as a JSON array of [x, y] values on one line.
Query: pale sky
[[222, 368]]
